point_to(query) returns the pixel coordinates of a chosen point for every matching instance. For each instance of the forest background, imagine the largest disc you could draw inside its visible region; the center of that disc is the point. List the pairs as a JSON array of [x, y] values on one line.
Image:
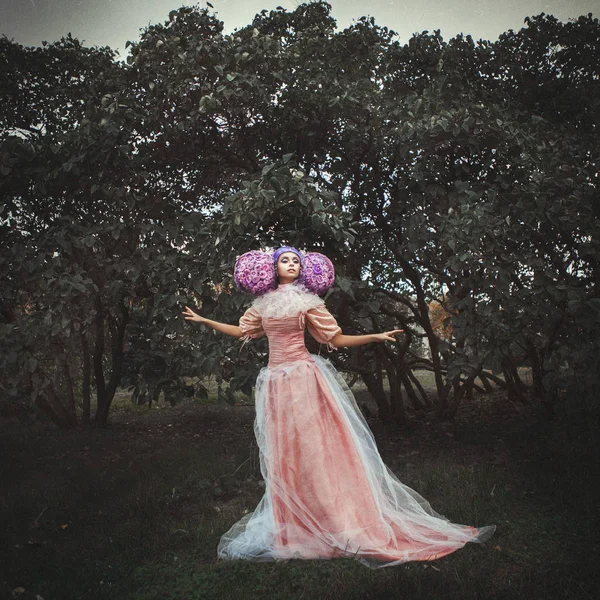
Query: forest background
[[456, 176], [454, 185]]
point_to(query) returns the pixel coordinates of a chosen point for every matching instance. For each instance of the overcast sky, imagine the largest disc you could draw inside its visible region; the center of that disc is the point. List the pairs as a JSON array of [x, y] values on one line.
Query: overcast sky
[[113, 22]]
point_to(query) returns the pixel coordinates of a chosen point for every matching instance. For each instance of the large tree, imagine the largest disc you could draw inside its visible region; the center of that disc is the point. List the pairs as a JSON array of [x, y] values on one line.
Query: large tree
[[458, 172]]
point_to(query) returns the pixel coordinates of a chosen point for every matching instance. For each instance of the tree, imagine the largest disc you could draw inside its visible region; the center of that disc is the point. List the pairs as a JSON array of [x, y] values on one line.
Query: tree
[[457, 170]]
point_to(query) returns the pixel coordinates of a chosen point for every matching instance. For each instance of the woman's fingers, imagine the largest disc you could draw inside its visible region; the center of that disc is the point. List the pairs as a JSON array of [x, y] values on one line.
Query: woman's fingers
[[389, 335], [189, 314]]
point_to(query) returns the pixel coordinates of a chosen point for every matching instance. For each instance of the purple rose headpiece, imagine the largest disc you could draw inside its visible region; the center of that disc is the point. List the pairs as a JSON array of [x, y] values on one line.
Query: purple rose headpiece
[[317, 274], [255, 271]]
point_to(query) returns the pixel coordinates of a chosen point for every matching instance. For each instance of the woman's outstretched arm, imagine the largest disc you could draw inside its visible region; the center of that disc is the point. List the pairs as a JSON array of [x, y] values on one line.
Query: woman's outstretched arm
[[347, 341], [232, 330]]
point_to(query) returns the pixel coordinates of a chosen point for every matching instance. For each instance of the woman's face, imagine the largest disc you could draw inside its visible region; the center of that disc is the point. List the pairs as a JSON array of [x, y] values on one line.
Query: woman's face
[[288, 267]]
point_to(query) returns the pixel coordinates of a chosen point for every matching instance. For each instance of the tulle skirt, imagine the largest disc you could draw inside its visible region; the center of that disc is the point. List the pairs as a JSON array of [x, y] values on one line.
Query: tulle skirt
[[327, 491]]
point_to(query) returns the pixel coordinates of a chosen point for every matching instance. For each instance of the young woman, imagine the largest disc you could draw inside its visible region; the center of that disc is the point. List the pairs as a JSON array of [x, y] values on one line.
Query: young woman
[[328, 492]]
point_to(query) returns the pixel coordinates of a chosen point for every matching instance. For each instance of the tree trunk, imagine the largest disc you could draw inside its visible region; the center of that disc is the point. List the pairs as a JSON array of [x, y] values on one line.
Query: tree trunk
[[513, 381], [499, 382], [97, 361], [417, 384], [410, 391], [537, 371], [469, 392], [71, 403], [421, 312], [459, 392], [86, 384], [49, 404], [486, 383], [397, 402], [375, 387], [548, 402], [106, 392], [117, 328]]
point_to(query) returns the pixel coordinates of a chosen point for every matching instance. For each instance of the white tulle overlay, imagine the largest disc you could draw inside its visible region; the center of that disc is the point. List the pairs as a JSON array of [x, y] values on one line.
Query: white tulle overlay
[[328, 493], [286, 301]]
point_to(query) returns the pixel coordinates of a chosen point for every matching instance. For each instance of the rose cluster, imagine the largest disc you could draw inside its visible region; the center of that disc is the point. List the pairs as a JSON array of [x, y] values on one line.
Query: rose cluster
[[317, 273], [254, 272]]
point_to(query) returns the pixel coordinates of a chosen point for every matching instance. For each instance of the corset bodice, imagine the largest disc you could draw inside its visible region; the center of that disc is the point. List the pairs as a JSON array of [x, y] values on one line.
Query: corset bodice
[[286, 339]]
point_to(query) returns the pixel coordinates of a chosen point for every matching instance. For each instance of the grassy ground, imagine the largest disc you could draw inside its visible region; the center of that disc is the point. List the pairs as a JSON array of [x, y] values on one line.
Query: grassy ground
[[135, 511]]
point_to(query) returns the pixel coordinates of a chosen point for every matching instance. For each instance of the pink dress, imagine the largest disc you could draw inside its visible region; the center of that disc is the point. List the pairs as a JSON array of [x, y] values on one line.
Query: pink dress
[[327, 491]]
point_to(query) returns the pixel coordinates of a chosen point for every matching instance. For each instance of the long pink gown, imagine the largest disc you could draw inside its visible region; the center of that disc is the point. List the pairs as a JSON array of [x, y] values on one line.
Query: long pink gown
[[328, 493]]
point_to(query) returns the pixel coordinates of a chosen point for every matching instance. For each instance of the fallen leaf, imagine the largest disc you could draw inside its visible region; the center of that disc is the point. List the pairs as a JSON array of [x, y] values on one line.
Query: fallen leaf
[[34, 542]]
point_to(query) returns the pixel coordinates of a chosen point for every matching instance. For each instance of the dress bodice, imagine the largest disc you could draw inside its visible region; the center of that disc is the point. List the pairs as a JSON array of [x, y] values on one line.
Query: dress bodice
[[286, 339], [283, 315]]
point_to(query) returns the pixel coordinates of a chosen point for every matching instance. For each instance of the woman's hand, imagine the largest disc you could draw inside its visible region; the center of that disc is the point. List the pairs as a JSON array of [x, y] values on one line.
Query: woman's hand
[[190, 315], [232, 330], [349, 341], [387, 336]]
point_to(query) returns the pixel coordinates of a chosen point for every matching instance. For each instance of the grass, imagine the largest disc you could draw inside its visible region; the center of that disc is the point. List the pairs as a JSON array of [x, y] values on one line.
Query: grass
[[135, 511]]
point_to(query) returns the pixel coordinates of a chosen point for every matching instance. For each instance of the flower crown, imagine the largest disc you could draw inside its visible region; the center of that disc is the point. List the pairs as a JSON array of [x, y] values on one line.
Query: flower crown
[[255, 271]]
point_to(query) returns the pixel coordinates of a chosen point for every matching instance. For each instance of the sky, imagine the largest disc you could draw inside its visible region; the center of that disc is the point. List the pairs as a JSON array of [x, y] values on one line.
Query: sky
[[114, 22]]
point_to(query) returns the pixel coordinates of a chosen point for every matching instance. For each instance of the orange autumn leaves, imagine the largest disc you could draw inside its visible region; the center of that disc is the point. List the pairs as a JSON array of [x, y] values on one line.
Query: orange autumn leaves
[[440, 319]]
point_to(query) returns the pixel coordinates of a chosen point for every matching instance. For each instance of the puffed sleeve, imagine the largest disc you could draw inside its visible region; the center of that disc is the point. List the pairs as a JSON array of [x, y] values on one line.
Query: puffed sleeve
[[251, 325], [321, 324]]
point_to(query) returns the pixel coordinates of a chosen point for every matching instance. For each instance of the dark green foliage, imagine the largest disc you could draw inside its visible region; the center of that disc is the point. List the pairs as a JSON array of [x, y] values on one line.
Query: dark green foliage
[[456, 171]]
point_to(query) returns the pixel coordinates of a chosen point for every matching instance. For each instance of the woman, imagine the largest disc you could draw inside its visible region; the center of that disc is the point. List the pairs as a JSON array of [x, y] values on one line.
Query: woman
[[327, 491]]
